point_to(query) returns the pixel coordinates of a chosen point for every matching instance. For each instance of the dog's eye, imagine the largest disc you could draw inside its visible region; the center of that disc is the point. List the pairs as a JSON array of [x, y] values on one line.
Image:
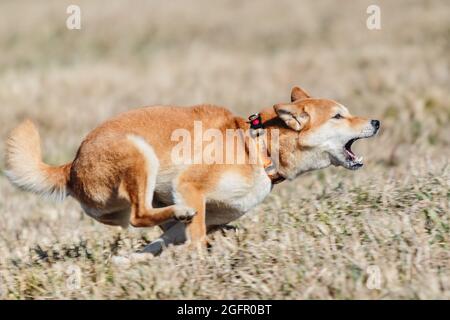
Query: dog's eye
[[338, 116]]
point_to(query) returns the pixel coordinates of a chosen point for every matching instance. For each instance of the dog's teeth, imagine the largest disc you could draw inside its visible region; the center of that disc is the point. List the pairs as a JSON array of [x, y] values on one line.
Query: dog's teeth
[[360, 159]]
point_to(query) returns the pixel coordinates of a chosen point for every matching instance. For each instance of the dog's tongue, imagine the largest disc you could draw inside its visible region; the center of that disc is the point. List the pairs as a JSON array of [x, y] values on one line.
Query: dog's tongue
[[350, 153]]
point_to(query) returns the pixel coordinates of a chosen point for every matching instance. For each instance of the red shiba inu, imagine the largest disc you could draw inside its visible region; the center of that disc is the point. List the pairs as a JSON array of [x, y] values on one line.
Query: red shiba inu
[[124, 171]]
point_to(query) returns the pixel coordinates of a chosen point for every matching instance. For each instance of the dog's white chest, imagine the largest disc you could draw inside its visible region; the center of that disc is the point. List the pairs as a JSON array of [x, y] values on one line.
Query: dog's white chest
[[235, 194]]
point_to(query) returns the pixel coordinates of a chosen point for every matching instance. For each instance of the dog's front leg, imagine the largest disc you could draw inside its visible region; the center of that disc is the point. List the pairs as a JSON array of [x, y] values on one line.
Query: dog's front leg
[[190, 196]]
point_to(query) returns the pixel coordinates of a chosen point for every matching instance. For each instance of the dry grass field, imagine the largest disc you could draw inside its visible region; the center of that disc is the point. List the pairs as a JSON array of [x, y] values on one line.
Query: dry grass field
[[327, 235]]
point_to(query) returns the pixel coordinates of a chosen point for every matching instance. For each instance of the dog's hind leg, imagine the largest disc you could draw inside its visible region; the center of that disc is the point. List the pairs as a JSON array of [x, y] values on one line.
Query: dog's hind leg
[[139, 182]]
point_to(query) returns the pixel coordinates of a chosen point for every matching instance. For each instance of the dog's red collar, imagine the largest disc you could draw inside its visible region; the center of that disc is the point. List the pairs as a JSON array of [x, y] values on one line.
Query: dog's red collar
[[256, 131]]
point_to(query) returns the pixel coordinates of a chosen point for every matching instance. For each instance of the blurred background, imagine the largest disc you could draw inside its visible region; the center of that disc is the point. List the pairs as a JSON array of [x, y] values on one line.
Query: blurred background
[[245, 56]]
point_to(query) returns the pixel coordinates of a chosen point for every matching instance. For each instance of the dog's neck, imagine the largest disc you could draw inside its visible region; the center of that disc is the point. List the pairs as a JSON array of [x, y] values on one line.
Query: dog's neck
[[258, 143], [294, 161]]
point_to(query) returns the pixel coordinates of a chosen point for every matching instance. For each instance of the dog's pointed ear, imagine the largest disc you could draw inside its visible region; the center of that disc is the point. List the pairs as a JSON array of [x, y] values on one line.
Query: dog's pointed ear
[[298, 93], [294, 116]]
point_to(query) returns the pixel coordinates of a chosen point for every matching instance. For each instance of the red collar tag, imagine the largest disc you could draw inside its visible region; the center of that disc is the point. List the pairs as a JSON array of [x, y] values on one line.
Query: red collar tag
[[255, 121]]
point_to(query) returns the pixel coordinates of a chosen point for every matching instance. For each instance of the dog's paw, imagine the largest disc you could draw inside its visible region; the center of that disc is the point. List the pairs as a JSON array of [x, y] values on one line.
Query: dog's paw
[[184, 214]]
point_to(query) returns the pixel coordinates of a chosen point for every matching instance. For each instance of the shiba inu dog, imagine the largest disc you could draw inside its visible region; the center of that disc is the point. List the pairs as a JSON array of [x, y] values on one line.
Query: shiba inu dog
[[125, 173]]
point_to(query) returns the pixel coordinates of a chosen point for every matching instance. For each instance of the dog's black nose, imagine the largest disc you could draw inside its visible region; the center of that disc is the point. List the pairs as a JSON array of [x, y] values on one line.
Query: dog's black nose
[[375, 124]]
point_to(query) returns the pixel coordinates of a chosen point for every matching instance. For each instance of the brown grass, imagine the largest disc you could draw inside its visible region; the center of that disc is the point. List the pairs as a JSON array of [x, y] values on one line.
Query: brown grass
[[312, 238]]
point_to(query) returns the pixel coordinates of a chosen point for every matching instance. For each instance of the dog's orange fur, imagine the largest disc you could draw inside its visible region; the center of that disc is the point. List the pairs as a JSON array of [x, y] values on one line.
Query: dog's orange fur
[[109, 175]]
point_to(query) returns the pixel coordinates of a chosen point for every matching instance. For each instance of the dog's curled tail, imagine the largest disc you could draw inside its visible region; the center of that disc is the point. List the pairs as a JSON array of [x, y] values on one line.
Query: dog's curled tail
[[24, 166]]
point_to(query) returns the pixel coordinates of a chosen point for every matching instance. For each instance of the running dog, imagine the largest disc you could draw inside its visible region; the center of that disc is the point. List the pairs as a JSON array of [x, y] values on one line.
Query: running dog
[[124, 171]]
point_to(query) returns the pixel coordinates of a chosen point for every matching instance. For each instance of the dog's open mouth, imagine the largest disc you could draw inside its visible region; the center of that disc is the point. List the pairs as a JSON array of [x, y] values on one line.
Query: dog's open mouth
[[352, 161]]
